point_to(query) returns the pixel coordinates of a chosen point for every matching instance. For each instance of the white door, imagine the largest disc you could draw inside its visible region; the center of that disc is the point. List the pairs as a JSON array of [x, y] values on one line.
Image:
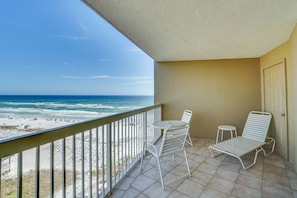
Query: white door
[[275, 102]]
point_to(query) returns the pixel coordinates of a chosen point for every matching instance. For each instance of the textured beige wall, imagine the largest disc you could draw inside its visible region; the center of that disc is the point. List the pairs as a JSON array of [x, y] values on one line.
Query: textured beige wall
[[288, 51], [217, 91]]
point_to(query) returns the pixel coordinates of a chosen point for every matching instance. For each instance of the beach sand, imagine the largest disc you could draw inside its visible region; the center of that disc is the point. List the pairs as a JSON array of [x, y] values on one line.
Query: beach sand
[[14, 126]]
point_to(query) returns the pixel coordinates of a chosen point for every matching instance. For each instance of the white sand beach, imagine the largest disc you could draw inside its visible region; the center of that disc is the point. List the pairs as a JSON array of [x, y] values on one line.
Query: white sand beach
[[14, 126]]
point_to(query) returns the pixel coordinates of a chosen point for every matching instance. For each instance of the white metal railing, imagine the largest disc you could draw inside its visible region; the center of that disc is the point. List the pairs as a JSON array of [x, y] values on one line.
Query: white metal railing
[[80, 160]]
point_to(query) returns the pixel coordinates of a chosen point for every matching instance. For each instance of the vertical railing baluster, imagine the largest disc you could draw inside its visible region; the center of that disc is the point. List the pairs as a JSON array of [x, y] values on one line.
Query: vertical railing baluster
[[90, 162], [20, 175], [113, 150], [97, 164], [37, 173], [83, 164], [109, 158], [63, 168], [103, 160], [134, 136], [122, 146], [125, 141], [129, 142], [118, 149], [52, 170], [73, 166]]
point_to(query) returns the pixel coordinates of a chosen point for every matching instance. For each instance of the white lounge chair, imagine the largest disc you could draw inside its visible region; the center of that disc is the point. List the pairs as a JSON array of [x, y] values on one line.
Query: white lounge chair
[[187, 115], [173, 141], [253, 138]]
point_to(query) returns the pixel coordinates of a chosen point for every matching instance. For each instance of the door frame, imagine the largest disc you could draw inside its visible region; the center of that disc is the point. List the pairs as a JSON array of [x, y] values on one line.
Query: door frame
[[283, 61]]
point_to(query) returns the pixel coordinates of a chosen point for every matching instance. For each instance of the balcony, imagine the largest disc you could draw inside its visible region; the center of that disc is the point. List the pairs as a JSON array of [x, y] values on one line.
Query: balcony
[[100, 158], [222, 176]]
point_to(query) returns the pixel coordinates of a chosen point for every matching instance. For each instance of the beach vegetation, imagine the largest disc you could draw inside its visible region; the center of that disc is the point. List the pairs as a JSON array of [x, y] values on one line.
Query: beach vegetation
[[8, 185], [8, 127]]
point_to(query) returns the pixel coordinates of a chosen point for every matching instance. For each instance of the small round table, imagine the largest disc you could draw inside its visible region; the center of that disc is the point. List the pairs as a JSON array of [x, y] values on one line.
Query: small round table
[[222, 128], [168, 123]]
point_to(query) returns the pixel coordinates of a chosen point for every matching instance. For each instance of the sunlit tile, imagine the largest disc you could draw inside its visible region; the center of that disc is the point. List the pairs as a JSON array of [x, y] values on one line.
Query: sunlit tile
[[245, 192], [209, 192], [190, 188], [252, 182], [273, 190], [142, 182], [226, 174], [156, 190], [131, 192], [201, 177], [221, 185]]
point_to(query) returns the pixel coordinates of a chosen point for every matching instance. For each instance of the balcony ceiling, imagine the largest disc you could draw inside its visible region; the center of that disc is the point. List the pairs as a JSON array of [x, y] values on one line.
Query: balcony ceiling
[[178, 30]]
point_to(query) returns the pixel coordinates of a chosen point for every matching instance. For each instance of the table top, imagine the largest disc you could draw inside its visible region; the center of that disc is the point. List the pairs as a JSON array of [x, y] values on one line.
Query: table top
[[227, 127], [168, 123]]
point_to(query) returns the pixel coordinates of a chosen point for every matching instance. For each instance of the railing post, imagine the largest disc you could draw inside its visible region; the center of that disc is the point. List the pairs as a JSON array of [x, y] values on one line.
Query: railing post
[[20, 175], [109, 159], [37, 172], [52, 170], [0, 176]]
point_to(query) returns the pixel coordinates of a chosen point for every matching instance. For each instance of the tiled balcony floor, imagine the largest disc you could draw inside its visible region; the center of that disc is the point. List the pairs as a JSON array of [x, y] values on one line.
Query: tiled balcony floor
[[222, 176]]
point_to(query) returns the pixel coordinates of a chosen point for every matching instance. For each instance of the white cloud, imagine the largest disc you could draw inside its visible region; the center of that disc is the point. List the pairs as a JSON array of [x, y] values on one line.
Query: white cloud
[[72, 37], [137, 79], [82, 26]]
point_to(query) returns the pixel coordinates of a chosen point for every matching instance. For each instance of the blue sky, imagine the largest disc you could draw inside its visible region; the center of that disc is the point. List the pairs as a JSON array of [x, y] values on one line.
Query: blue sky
[[64, 47]]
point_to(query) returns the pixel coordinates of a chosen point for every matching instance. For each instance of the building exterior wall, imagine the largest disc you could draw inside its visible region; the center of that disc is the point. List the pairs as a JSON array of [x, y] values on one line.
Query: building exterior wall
[[217, 91], [287, 51]]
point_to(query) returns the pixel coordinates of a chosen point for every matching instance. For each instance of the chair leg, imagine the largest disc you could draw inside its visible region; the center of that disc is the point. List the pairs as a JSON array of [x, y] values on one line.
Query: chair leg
[[141, 161], [189, 140], [188, 168], [160, 171]]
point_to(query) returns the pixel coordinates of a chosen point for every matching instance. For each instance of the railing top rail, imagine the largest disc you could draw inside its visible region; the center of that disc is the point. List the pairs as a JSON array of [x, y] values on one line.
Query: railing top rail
[[28, 141]]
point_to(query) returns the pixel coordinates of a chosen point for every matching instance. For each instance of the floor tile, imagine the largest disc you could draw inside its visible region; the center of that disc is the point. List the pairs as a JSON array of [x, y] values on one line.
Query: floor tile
[[209, 192], [156, 190], [221, 185], [249, 181], [131, 192], [190, 188], [201, 177], [206, 168], [245, 192], [177, 194], [142, 182], [273, 190], [226, 174]]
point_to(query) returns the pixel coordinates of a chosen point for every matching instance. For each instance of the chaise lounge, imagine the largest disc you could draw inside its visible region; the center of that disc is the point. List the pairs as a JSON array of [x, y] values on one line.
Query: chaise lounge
[[253, 138]]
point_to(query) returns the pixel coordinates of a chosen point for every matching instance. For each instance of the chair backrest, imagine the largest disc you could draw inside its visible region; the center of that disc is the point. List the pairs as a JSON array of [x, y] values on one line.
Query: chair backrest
[[187, 115], [173, 140], [257, 125]]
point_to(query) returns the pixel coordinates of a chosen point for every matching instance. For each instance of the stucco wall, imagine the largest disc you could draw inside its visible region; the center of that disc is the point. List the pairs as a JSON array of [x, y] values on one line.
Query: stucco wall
[[288, 51], [217, 91]]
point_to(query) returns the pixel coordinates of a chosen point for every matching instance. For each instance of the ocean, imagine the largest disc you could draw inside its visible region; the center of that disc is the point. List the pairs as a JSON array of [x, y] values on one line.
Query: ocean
[[67, 107]]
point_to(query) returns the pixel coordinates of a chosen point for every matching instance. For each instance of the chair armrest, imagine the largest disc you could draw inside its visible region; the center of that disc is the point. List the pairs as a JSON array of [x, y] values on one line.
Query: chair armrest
[[151, 148]]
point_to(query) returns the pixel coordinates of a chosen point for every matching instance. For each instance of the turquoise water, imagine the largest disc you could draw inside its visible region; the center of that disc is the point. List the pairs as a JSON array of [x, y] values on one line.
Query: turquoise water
[[69, 107]]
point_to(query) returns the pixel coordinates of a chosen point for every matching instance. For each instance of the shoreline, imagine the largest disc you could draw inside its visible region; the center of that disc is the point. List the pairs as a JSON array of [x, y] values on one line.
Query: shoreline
[[14, 126]]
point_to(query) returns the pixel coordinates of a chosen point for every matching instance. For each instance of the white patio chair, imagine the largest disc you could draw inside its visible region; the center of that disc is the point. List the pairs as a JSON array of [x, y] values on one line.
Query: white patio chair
[[173, 141], [253, 139], [187, 115]]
